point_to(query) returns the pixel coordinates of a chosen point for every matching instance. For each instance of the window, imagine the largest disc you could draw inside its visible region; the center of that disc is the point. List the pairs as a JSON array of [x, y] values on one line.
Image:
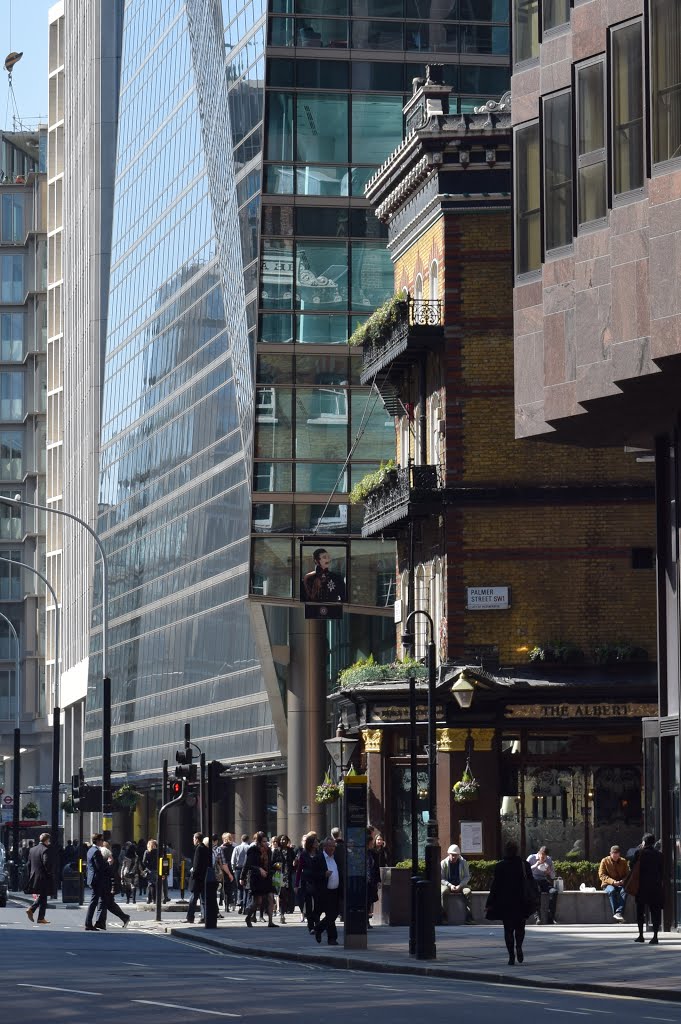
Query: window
[[627, 107], [376, 127], [279, 144], [435, 436], [322, 128], [329, 405], [11, 337], [558, 171], [11, 395], [434, 288], [10, 522], [527, 199], [592, 196], [321, 275], [525, 30], [265, 405], [11, 449], [420, 623], [436, 604], [12, 278], [554, 13], [418, 288], [372, 275], [665, 73], [13, 218], [10, 576]]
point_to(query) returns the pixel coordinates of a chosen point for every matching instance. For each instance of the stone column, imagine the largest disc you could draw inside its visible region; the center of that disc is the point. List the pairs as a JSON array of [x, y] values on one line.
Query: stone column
[[282, 805], [375, 777], [306, 724], [249, 804]]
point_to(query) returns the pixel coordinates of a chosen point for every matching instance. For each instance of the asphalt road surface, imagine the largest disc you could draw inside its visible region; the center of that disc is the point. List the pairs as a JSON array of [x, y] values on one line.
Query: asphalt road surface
[[59, 972]]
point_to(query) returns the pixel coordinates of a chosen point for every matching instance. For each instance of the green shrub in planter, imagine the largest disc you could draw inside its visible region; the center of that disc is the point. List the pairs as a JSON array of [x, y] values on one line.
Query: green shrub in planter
[[573, 873]]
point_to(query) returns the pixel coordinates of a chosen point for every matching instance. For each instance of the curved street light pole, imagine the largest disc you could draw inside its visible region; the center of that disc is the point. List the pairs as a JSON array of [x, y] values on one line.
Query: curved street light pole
[[56, 712], [432, 851], [107, 808], [17, 743]]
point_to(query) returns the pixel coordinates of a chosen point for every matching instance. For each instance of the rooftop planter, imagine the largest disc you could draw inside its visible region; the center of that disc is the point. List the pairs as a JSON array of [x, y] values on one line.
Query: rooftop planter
[[622, 653], [400, 330], [386, 473], [557, 652], [367, 670]]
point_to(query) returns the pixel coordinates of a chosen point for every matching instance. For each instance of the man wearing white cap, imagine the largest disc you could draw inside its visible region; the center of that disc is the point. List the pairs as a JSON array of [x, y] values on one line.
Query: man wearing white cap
[[455, 876]]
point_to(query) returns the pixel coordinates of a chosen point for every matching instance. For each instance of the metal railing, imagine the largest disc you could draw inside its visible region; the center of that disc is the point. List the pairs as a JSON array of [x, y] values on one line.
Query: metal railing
[[402, 485], [412, 313]]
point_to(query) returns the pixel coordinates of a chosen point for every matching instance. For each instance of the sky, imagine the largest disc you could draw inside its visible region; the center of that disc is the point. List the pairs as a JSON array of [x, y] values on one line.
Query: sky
[[28, 22]]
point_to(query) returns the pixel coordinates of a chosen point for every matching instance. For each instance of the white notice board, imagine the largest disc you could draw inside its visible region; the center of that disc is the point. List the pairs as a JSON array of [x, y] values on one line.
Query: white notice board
[[471, 837]]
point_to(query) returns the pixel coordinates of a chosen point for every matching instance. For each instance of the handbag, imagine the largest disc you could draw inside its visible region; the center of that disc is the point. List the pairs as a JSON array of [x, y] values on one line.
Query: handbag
[[632, 882]]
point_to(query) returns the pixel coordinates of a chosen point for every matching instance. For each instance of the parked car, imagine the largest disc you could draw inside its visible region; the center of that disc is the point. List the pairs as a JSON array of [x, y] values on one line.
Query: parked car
[[4, 878]]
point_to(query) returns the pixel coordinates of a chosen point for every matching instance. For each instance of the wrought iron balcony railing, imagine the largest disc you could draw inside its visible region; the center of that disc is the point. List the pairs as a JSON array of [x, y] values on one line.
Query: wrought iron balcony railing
[[416, 327], [412, 491]]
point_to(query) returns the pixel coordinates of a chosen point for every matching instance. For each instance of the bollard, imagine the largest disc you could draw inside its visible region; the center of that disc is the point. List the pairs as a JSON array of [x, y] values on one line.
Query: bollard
[[425, 922], [413, 882], [210, 900]]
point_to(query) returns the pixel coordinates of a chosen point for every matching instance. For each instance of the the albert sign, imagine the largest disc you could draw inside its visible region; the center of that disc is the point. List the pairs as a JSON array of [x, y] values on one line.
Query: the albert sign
[[484, 598]]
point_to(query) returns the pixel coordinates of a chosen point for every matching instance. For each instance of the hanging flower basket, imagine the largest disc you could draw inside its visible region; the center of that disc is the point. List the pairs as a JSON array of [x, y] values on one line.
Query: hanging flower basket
[[328, 792], [467, 788], [127, 796]]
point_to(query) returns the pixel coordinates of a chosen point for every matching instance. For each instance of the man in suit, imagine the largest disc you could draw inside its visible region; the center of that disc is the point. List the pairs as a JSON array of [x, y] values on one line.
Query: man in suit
[[97, 878], [328, 882], [39, 877], [200, 864]]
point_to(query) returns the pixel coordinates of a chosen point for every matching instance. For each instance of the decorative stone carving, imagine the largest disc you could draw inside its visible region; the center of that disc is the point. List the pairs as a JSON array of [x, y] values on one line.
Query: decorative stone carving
[[372, 740], [482, 739], [451, 740], [501, 106]]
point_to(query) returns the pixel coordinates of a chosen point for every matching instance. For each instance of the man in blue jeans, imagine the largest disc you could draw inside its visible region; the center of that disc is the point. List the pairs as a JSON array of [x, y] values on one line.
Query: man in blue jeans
[[612, 872]]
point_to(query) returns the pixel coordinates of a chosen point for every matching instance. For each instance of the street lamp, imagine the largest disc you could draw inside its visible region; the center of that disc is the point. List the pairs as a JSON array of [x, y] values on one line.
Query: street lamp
[[17, 743], [107, 807], [56, 713], [432, 852], [341, 748]]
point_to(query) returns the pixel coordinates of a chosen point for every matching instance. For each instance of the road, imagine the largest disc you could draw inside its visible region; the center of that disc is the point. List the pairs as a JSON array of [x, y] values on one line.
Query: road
[[142, 974]]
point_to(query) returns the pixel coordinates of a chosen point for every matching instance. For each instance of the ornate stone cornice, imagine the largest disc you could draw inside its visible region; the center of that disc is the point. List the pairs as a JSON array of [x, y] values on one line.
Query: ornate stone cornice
[[483, 738]]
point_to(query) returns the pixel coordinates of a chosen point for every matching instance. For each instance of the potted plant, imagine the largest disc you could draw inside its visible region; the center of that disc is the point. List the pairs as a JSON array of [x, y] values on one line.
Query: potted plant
[[386, 473], [380, 322], [127, 796], [467, 788], [328, 792]]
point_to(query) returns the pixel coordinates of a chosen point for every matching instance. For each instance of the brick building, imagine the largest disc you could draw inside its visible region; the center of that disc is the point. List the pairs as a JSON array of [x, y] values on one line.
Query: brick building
[[597, 126], [510, 547]]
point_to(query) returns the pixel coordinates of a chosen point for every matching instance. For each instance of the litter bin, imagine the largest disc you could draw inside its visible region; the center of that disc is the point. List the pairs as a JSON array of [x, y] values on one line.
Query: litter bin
[[71, 884]]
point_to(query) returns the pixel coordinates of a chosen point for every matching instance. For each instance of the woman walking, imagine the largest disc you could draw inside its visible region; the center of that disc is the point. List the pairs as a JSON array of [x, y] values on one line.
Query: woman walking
[[150, 869], [513, 897], [283, 863], [129, 871], [646, 884], [258, 871], [307, 877]]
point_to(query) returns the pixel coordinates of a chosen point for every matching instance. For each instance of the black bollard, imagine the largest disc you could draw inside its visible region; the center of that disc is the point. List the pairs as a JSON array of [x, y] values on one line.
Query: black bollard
[[425, 925], [210, 900]]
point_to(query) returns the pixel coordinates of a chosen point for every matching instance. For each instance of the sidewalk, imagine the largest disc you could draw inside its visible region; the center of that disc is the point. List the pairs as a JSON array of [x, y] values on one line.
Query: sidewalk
[[581, 958]]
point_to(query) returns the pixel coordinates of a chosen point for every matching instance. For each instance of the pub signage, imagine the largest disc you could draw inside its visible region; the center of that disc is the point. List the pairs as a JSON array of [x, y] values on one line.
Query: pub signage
[[383, 713], [563, 711]]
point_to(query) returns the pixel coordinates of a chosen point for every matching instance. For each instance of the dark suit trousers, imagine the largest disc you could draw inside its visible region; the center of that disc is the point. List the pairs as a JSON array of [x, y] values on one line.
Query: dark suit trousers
[[195, 896], [40, 904], [329, 906], [96, 900], [514, 930]]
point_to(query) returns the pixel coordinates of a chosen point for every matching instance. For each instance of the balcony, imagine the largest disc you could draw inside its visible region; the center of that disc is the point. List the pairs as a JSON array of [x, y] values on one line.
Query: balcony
[[404, 494], [398, 333]]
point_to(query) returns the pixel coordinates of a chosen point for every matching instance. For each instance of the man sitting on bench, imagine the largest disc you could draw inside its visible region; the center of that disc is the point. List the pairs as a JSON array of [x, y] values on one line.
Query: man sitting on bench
[[455, 875], [612, 872]]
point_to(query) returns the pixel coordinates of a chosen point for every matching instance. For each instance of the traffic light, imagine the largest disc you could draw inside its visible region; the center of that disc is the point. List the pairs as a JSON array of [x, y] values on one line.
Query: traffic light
[[184, 768], [175, 788], [75, 791]]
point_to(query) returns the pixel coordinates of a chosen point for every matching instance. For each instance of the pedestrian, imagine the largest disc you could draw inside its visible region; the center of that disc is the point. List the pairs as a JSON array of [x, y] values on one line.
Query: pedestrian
[[40, 877], [612, 872], [108, 882], [513, 897], [150, 869], [373, 873], [259, 879], [129, 872], [197, 880], [238, 865], [381, 851], [307, 878], [455, 876], [283, 861], [223, 871], [96, 879], [228, 882], [646, 884], [328, 892]]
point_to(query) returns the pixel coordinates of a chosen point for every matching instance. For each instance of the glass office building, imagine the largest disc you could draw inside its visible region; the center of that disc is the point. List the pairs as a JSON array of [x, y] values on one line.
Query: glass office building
[[177, 411]]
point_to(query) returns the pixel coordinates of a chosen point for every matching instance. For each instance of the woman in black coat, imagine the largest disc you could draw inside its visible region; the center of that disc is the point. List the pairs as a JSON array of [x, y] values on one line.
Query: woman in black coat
[[650, 887], [258, 871], [513, 896]]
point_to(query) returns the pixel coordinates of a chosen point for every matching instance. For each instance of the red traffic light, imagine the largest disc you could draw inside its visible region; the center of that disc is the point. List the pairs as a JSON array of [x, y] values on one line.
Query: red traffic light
[[175, 787]]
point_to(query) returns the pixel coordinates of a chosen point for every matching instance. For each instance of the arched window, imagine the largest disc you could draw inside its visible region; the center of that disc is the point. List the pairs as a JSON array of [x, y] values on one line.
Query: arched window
[[417, 434], [434, 283], [436, 603], [403, 453], [420, 602], [404, 594], [434, 429], [418, 288]]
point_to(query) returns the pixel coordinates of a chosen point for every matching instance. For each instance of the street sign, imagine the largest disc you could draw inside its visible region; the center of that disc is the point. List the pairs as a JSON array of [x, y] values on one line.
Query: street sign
[[8, 801]]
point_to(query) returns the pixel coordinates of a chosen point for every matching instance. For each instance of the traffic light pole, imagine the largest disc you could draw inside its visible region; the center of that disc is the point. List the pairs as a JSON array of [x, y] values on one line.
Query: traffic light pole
[[160, 839]]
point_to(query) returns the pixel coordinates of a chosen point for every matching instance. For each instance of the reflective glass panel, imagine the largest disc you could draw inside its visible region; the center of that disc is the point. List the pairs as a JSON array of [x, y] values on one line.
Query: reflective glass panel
[[484, 81], [13, 205], [322, 181], [376, 127], [279, 180], [271, 369], [373, 573], [276, 290], [527, 199], [483, 39], [378, 427], [279, 143], [558, 170], [331, 518], [321, 32], [321, 329], [11, 395], [321, 275], [12, 337], [11, 452], [322, 128], [282, 32], [437, 10], [272, 476], [665, 21], [378, 8], [377, 75], [272, 568], [276, 328], [327, 7], [322, 74], [272, 517], [321, 423], [321, 477], [525, 30], [372, 275], [322, 220], [627, 103], [281, 72], [360, 176], [442, 38], [12, 278], [377, 35], [483, 10], [273, 427], [322, 369]]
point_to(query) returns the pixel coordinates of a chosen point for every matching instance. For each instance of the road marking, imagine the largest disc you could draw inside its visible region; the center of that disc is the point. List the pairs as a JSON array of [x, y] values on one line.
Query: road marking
[[589, 1010], [176, 1006], [660, 1018], [128, 963], [229, 977], [68, 953], [575, 1013], [55, 988]]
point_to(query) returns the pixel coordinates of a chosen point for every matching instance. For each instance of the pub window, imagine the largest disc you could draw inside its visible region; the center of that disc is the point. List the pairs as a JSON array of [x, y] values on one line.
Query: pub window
[[557, 171], [665, 74], [554, 13], [627, 107], [525, 30], [527, 199], [592, 198]]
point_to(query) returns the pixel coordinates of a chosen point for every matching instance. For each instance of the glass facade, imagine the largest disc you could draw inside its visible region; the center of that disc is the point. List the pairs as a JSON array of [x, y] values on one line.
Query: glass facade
[[177, 408]]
